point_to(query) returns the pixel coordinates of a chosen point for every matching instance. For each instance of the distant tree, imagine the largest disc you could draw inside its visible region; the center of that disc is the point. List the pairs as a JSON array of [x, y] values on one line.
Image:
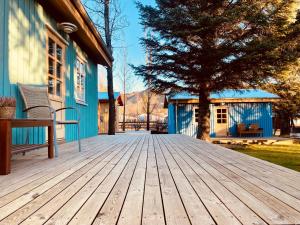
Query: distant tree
[[108, 17], [287, 86], [207, 46], [149, 105], [127, 81]]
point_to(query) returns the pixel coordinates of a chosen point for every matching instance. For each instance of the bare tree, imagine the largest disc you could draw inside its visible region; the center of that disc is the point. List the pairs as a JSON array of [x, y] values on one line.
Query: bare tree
[[108, 18], [148, 105], [126, 80]]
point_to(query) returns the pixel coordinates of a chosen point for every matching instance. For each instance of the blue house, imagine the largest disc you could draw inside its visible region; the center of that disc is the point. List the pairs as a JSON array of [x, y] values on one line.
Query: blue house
[[40, 45], [228, 109]]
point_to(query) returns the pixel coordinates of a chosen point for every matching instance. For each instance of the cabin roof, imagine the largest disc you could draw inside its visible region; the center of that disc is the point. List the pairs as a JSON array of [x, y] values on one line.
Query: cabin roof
[[103, 97], [240, 95], [87, 35]]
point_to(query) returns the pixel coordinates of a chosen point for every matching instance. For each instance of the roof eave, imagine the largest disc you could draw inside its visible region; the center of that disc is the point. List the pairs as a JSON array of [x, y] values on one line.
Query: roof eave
[[227, 100], [87, 35]]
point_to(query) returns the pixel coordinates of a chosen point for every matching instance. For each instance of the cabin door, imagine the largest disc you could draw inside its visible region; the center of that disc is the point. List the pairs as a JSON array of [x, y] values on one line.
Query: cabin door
[[56, 79], [221, 121]]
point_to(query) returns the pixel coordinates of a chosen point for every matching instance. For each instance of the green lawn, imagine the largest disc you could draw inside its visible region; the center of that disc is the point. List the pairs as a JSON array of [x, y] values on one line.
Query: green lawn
[[284, 155]]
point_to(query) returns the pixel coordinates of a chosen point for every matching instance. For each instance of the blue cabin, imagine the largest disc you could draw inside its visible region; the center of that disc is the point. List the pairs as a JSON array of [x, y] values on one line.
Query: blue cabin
[[38, 46], [228, 108]]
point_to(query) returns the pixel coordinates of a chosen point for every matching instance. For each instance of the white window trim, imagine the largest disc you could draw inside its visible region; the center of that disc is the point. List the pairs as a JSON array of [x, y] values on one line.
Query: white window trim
[[78, 100]]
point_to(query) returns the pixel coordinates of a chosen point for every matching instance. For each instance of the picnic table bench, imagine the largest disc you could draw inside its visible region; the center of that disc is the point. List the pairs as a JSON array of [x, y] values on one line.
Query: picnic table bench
[[252, 129]]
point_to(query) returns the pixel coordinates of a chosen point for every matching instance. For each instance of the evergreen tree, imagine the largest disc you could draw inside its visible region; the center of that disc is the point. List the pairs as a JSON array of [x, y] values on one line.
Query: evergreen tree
[[204, 46], [287, 86]]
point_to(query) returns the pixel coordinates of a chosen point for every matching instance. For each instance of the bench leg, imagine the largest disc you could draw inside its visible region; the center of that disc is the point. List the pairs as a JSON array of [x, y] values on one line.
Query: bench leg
[[50, 141], [5, 146], [79, 142]]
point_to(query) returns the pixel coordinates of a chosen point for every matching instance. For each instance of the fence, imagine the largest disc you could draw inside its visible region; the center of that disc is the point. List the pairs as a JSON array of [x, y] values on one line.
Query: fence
[[138, 125]]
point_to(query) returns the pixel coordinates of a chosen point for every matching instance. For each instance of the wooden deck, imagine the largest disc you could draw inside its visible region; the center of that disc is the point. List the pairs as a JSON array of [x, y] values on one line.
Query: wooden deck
[[148, 179]]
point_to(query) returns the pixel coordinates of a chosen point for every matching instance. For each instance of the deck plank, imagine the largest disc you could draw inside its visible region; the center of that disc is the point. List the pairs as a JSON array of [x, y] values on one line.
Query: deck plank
[[175, 212], [264, 205], [133, 205], [153, 212], [64, 206], [148, 179], [99, 196]]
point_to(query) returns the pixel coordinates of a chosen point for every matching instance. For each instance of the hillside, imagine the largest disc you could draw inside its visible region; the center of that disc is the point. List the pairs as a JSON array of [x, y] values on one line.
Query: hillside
[[136, 103]]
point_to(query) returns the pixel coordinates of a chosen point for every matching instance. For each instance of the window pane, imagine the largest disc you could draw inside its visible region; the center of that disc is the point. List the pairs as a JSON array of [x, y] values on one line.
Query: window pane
[[223, 110], [81, 68], [50, 85], [50, 66], [78, 79], [218, 110], [58, 88], [218, 120], [218, 116], [224, 116], [59, 53], [224, 121], [82, 82], [51, 47], [58, 70]]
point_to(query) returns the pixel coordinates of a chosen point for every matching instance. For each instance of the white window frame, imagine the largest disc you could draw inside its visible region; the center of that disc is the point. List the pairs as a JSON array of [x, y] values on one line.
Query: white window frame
[[82, 84]]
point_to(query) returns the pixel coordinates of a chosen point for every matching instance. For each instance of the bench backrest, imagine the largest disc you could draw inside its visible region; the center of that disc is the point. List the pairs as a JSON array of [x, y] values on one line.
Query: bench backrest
[[254, 126], [241, 127]]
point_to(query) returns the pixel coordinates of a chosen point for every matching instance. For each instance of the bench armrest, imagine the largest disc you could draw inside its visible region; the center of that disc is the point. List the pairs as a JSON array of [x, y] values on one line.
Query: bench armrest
[[72, 108], [39, 106]]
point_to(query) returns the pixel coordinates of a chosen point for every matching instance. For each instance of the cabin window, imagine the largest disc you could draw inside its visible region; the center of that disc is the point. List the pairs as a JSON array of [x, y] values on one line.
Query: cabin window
[[221, 116], [80, 80], [55, 66], [196, 114]]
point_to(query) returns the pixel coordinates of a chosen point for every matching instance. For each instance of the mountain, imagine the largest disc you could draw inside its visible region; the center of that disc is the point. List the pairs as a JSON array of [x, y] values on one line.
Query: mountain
[[136, 105]]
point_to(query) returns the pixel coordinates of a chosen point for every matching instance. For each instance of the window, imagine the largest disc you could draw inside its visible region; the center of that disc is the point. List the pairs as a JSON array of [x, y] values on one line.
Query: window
[[196, 113], [221, 116], [80, 81], [55, 66]]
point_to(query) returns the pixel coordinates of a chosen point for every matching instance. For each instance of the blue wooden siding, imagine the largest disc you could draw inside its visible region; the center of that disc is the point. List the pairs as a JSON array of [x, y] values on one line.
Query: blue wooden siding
[[23, 60], [247, 113], [88, 113], [22, 41], [3, 45]]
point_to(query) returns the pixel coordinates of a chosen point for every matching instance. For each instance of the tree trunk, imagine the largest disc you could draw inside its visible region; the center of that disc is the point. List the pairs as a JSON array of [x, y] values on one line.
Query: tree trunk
[[285, 128], [111, 101], [148, 110], [203, 117], [110, 86], [124, 112]]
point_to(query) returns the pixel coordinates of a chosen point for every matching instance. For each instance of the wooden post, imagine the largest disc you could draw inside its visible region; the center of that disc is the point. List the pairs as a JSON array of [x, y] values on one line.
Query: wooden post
[[5, 146], [50, 141]]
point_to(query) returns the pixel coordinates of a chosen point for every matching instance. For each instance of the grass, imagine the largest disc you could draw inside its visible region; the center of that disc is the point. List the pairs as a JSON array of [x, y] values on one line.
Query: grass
[[284, 155]]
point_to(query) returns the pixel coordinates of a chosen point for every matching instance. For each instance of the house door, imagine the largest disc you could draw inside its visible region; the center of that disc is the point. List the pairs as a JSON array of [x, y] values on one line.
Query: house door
[[104, 115], [221, 121], [56, 78]]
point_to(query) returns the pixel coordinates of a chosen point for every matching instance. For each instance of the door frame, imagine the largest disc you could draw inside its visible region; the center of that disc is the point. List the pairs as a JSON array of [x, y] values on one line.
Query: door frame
[[50, 33], [215, 108]]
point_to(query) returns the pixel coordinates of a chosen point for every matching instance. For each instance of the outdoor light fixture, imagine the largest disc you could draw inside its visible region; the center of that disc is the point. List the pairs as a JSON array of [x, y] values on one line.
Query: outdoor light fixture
[[67, 27]]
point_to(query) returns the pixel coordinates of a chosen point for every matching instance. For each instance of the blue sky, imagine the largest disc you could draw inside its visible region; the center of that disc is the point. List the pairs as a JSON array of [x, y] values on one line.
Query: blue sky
[[132, 34]]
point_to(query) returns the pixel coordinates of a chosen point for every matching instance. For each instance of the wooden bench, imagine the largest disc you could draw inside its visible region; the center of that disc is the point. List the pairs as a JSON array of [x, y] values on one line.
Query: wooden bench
[[6, 147], [253, 129]]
